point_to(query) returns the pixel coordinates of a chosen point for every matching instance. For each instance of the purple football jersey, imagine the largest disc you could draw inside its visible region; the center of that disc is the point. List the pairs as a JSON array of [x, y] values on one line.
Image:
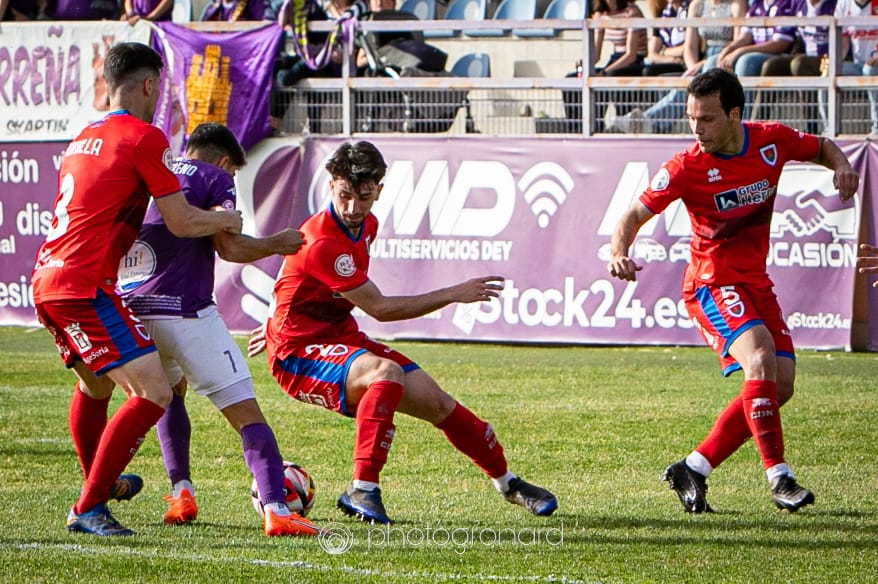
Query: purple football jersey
[[165, 275]]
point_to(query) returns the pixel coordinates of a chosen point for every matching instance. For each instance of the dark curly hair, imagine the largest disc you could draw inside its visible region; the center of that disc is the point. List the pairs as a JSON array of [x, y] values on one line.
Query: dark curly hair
[[359, 163]]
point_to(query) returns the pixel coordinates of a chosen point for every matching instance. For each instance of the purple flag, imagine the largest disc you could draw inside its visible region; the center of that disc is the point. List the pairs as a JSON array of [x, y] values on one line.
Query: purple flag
[[215, 77]]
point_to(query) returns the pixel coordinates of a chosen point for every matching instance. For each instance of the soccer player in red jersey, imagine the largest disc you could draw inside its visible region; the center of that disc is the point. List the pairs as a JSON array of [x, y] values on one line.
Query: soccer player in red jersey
[[108, 174], [727, 181], [318, 354]]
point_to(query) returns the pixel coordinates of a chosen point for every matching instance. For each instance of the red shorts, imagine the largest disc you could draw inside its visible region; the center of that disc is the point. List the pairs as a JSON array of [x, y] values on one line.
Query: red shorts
[[102, 332], [316, 374], [722, 313]]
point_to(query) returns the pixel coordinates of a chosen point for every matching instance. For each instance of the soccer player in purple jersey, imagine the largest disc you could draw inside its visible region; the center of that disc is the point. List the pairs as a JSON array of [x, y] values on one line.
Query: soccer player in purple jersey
[[168, 282], [727, 181]]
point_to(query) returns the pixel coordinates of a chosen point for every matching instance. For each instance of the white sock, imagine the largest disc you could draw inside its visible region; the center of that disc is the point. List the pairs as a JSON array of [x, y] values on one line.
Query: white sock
[[775, 472], [180, 485], [502, 483], [364, 485], [698, 463], [280, 509]]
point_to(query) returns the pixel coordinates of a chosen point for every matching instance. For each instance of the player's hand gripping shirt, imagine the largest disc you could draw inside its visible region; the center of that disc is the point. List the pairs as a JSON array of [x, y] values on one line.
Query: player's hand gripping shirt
[[308, 305], [730, 200], [106, 178], [163, 274]]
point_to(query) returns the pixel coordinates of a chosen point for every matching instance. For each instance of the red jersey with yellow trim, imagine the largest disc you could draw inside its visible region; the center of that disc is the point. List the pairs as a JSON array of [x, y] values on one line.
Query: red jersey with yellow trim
[[106, 178], [730, 201], [308, 305]]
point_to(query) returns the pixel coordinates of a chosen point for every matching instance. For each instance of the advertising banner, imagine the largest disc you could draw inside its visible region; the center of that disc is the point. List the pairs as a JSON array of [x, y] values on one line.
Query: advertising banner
[[538, 212], [51, 76]]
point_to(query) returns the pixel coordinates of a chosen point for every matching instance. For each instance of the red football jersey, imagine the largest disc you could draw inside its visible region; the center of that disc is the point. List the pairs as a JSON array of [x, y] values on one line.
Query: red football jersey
[[104, 183], [308, 305], [730, 200]]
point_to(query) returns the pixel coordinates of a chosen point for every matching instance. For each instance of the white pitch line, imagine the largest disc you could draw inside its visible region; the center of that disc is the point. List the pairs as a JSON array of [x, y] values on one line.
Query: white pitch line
[[298, 565]]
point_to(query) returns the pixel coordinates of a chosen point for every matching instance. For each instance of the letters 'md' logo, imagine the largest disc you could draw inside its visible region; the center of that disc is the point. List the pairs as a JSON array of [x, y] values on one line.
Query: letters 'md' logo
[[769, 154], [727, 200]]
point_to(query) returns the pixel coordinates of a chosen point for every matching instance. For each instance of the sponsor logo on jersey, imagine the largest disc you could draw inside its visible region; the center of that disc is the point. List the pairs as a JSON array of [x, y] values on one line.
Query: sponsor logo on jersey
[[769, 154], [752, 194], [713, 175], [136, 266], [344, 265], [95, 354]]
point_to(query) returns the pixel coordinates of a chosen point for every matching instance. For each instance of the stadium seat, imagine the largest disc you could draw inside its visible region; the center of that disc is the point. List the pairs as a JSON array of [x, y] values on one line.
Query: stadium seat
[[559, 10], [508, 10], [460, 10], [472, 65], [423, 9]]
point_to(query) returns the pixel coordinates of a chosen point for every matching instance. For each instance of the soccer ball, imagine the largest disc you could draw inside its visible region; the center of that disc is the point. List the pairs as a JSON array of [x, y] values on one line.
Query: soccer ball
[[298, 490]]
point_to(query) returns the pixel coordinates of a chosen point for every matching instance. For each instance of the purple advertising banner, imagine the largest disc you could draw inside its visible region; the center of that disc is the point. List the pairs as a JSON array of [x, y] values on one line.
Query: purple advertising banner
[[538, 212], [28, 183], [216, 77], [51, 76]]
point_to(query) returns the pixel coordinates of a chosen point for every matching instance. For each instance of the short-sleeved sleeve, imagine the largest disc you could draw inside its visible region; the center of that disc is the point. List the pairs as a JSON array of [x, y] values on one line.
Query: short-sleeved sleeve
[[154, 163]]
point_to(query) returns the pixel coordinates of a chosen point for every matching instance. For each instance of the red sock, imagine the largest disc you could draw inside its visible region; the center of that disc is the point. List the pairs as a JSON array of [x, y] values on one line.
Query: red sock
[[730, 431], [375, 428], [763, 417], [121, 438], [87, 418], [476, 439]]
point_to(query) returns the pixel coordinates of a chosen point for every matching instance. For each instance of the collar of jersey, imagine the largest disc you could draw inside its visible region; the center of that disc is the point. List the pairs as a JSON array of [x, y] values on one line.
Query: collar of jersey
[[342, 226]]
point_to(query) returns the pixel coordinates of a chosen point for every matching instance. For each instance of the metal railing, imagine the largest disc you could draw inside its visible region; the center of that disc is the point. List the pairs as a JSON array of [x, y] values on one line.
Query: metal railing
[[524, 106]]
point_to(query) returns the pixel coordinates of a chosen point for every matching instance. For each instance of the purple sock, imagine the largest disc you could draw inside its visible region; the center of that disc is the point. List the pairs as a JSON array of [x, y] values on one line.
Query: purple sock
[[174, 431], [264, 461]]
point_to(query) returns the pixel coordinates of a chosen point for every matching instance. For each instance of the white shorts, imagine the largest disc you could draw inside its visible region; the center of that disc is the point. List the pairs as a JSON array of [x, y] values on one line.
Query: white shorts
[[204, 351]]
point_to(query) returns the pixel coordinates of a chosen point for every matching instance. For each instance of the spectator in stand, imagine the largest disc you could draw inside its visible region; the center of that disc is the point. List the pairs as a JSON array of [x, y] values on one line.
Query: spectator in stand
[[814, 40], [863, 46], [153, 10], [86, 9], [628, 44], [24, 10], [234, 10], [665, 51], [700, 51], [756, 44], [626, 60]]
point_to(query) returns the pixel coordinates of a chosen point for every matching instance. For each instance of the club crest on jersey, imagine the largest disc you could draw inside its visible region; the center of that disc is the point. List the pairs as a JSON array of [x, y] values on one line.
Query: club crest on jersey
[[769, 154], [661, 180], [344, 265], [78, 336]]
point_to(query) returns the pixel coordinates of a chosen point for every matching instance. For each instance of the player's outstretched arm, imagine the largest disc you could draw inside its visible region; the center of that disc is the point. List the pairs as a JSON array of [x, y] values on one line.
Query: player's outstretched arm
[[390, 308], [240, 248], [184, 220], [621, 265], [846, 179]]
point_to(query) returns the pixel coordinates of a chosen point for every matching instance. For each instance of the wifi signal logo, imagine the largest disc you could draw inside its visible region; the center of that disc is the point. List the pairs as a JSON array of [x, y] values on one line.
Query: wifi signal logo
[[545, 186]]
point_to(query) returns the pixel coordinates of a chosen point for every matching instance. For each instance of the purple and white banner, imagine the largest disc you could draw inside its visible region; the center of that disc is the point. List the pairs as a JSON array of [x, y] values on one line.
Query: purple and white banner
[[538, 212], [51, 76], [216, 77]]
